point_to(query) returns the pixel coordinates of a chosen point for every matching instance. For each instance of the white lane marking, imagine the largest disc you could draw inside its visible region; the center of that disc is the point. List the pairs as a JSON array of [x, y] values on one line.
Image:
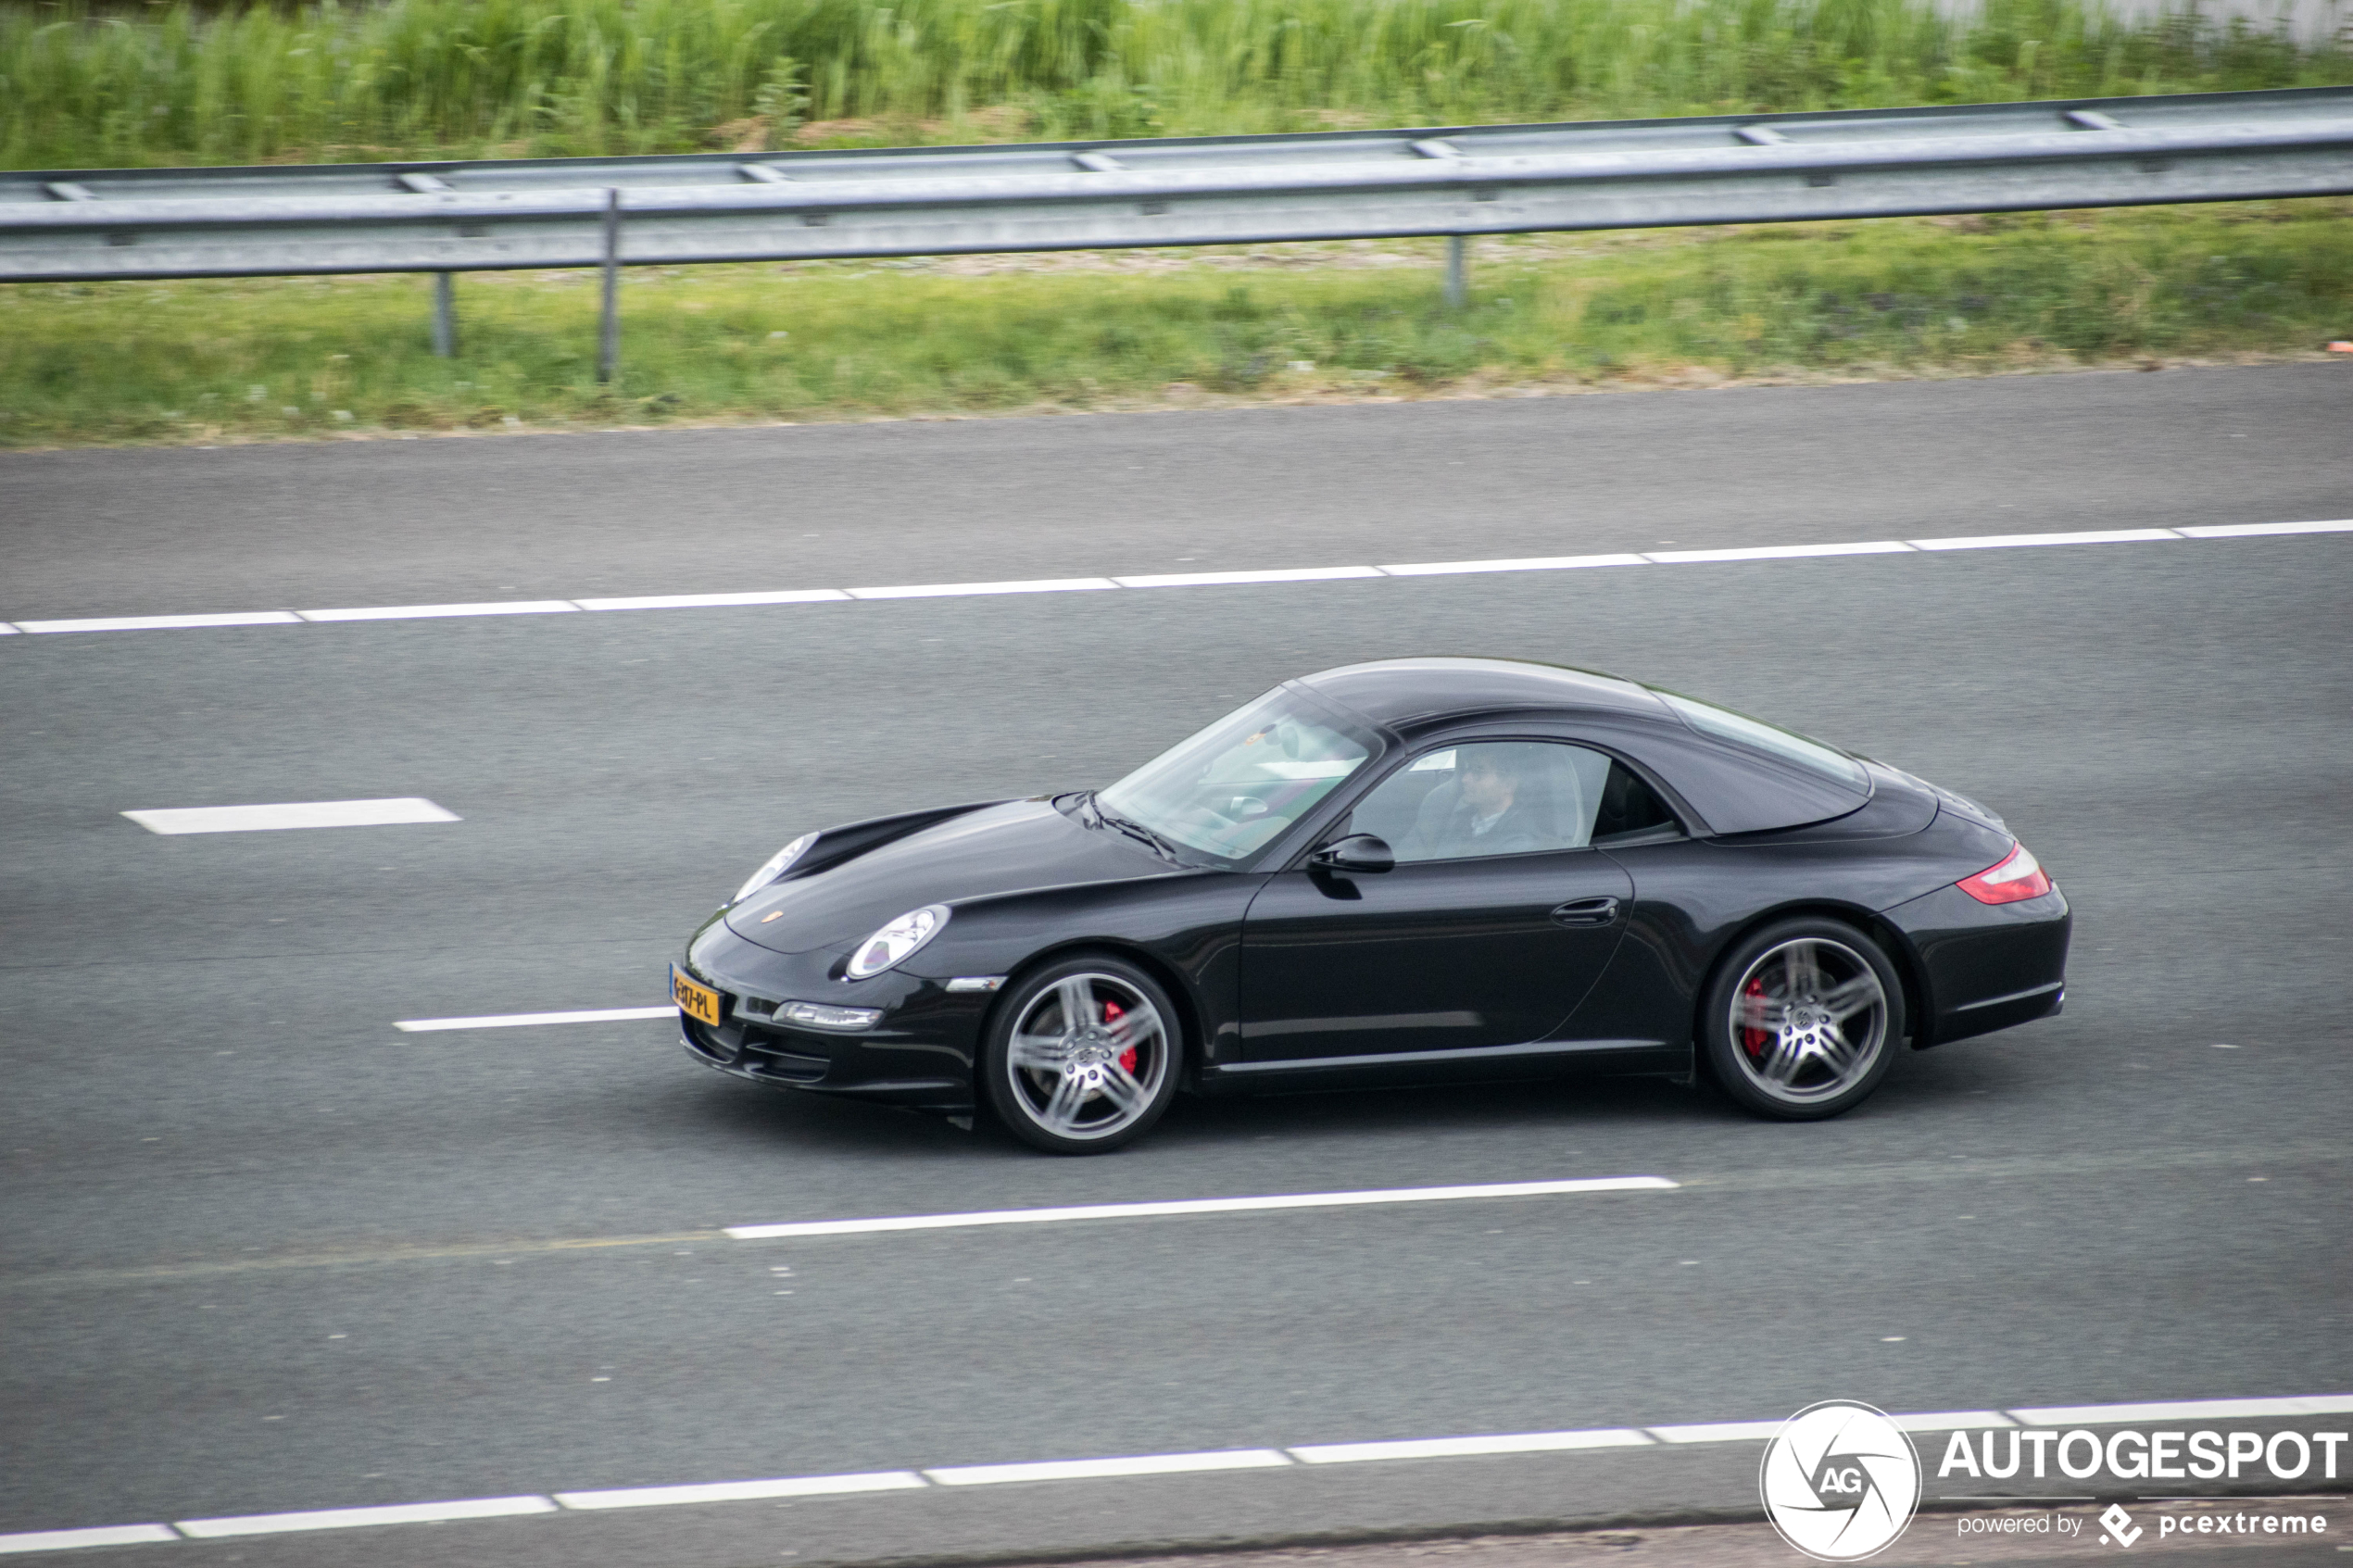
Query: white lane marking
[[1525, 563], [6, 629], [1195, 1206], [1185, 580], [1779, 552], [1952, 1421], [104, 1535], [399, 809], [957, 590], [166, 623], [2259, 529], [1214, 579], [1160, 1465], [745, 1491], [2026, 541], [718, 601], [519, 1019], [435, 613], [1096, 1469], [1719, 1432], [349, 1518], [1456, 1447], [2186, 1409]]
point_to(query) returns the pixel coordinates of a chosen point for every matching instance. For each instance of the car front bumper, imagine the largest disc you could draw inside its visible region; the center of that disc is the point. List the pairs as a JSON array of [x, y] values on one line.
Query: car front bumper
[[919, 1054]]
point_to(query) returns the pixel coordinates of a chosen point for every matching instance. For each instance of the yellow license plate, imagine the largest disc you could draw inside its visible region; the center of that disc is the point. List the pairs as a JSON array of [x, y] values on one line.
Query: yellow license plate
[[695, 1000]]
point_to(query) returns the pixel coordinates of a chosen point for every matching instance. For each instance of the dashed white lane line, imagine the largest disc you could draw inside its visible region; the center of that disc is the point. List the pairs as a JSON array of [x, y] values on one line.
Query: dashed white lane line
[[744, 1492], [1467, 1447], [719, 601], [960, 590], [1220, 579], [351, 1518], [164, 622], [396, 811], [1185, 580], [2027, 541], [1525, 563], [428, 612], [1196, 1206], [522, 1020], [104, 1535], [1522, 1443], [1104, 1469], [2192, 1409]]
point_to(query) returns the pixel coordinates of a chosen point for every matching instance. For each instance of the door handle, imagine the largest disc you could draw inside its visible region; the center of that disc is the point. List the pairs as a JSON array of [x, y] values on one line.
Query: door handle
[[1586, 911]]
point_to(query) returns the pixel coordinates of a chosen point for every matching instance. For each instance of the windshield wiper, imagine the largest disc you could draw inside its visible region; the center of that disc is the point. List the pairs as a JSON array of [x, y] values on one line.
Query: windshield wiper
[[1138, 832]]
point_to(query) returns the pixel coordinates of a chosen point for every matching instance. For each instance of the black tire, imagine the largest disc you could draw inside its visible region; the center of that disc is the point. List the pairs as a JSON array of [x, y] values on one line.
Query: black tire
[[1082, 1055], [1801, 1020]]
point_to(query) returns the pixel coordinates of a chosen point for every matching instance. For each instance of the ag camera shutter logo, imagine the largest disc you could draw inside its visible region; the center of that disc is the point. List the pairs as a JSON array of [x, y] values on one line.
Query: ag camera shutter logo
[[1839, 1481]]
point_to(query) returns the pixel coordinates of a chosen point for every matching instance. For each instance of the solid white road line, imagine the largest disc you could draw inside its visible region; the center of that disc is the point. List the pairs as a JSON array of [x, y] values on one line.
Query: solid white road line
[[2259, 529], [1194, 1206], [519, 1019], [349, 1518], [745, 1491], [1097, 1468], [2187, 1409], [2027, 541], [166, 623], [104, 1535], [957, 590], [718, 601], [435, 612], [1779, 552], [1527, 563], [397, 810], [1160, 1465], [1182, 580], [1718, 1432], [1952, 1421], [1214, 579], [1462, 1448]]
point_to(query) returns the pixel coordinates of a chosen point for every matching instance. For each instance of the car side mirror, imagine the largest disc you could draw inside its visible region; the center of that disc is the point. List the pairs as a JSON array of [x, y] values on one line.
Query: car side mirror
[[1357, 852]]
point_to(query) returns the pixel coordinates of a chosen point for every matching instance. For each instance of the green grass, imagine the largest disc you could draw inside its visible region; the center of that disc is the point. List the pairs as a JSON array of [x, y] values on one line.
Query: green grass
[[274, 358], [168, 83]]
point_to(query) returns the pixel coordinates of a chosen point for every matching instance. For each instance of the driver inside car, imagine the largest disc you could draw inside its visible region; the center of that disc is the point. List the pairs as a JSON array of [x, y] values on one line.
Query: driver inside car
[[1486, 809]]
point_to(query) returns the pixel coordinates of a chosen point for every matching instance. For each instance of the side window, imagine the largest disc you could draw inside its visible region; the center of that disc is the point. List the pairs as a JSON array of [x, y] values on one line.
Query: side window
[[1488, 798], [1632, 812]]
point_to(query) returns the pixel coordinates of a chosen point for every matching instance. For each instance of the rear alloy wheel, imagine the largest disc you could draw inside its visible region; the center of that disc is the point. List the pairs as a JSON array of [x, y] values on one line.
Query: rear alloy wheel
[[1800, 1021], [1083, 1057]]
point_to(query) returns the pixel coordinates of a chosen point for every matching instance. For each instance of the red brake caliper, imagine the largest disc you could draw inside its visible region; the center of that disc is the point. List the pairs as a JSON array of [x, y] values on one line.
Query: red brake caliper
[[1754, 1040], [1112, 1012]]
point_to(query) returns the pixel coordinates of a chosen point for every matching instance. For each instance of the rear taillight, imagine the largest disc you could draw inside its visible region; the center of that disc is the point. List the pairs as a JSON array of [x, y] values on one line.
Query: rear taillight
[[2019, 875]]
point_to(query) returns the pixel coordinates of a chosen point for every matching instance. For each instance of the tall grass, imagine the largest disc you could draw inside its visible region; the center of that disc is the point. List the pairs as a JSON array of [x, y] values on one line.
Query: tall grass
[[173, 85]]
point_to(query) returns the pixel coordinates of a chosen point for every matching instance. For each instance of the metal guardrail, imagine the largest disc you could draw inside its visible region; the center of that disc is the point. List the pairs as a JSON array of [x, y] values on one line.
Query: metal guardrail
[[1459, 181]]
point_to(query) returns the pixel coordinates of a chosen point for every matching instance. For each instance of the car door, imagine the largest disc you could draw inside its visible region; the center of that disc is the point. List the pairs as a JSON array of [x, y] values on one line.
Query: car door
[[1495, 922]]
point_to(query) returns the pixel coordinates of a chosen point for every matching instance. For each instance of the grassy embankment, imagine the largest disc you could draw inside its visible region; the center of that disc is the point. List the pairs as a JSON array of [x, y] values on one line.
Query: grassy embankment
[[228, 361], [466, 78]]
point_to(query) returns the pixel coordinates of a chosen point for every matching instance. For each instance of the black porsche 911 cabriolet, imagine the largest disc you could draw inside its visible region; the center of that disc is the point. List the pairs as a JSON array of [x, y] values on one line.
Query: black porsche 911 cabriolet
[[1401, 871]]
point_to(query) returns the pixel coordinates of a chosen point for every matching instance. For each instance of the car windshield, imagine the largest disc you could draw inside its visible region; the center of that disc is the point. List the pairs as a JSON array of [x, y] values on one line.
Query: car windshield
[[1231, 788], [1787, 745]]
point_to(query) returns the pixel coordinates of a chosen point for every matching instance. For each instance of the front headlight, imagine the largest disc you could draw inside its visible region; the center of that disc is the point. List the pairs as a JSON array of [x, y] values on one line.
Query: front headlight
[[775, 866], [896, 940]]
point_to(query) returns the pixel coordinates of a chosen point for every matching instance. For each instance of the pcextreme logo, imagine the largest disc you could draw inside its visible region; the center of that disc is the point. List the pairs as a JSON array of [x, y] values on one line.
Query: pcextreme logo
[[1839, 1481]]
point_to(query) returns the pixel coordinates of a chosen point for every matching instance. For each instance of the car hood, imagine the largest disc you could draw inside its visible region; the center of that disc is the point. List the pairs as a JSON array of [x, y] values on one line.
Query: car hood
[[1017, 847]]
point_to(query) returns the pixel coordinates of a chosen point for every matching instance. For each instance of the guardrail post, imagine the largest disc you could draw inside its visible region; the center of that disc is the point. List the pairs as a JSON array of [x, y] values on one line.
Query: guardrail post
[[1457, 271], [444, 315], [608, 329]]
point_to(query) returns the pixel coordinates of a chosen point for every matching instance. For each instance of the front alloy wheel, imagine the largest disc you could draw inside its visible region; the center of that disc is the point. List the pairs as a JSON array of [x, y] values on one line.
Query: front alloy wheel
[[1802, 1016], [1083, 1057]]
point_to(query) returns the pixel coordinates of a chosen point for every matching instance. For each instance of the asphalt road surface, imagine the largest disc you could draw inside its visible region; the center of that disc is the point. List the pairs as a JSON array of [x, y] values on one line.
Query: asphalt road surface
[[265, 1253]]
